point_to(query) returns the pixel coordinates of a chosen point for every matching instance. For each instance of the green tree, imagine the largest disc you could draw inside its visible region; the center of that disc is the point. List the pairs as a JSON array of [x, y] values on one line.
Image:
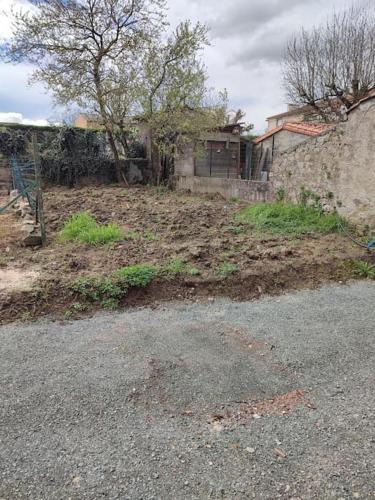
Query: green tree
[[113, 58], [176, 102], [75, 46]]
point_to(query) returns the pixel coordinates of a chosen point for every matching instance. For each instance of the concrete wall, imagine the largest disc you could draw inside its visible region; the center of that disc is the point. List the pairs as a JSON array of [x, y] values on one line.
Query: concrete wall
[[251, 191], [184, 163], [338, 165]]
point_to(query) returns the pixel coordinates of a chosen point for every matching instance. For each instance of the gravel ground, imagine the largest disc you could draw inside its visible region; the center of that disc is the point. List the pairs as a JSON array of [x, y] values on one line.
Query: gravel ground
[[266, 399]]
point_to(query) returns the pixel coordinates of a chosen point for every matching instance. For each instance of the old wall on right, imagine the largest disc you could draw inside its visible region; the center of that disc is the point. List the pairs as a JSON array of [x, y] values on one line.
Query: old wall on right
[[339, 166]]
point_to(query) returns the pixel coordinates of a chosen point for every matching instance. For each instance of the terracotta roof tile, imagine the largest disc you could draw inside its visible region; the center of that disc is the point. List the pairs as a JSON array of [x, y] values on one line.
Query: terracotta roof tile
[[304, 128]]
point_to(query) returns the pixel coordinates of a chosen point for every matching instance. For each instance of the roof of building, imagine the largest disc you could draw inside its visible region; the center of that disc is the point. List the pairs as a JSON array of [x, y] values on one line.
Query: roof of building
[[304, 128]]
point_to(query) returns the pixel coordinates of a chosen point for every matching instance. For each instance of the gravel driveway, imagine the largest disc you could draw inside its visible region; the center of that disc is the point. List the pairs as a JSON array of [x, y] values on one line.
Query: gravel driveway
[[267, 399]]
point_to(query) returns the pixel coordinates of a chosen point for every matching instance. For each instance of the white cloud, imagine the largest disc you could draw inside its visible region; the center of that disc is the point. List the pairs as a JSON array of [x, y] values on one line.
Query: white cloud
[[5, 22], [247, 43], [19, 118]]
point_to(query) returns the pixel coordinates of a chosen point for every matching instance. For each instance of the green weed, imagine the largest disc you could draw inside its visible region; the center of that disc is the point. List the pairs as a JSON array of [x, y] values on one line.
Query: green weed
[[109, 290], [111, 304], [150, 236], [83, 227], [226, 269], [139, 275], [178, 267], [192, 271], [236, 229], [76, 307], [287, 218], [173, 268], [363, 269], [160, 189], [280, 195], [26, 316], [133, 235]]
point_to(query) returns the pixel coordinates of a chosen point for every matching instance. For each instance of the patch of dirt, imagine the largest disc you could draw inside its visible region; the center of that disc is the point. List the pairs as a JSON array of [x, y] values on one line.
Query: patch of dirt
[[17, 280], [243, 411], [199, 229]]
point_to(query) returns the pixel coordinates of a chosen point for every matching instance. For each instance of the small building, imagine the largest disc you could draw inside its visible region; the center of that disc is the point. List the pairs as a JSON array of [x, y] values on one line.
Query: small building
[[278, 140], [218, 155], [294, 114], [83, 120]]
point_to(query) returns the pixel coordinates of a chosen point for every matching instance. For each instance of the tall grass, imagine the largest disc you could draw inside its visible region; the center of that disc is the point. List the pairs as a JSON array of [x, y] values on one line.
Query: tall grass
[[287, 218], [83, 227]]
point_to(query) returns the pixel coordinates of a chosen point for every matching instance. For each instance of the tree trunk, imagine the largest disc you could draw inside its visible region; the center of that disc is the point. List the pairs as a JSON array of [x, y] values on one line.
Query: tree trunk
[[119, 173], [99, 93]]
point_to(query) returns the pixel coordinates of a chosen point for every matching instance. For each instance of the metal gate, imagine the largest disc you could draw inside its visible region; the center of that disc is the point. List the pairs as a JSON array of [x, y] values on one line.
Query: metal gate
[[220, 159], [26, 179]]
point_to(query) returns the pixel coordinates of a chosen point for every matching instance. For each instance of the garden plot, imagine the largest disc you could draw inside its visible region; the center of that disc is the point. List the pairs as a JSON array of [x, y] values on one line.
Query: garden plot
[[113, 247]]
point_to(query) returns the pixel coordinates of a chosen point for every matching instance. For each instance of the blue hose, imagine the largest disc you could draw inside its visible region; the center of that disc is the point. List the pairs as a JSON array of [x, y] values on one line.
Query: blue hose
[[371, 245]]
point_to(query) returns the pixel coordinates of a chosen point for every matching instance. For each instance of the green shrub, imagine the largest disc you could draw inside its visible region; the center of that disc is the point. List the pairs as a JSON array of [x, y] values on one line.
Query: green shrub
[[83, 227], [139, 275], [86, 288], [111, 289], [364, 269], [288, 218]]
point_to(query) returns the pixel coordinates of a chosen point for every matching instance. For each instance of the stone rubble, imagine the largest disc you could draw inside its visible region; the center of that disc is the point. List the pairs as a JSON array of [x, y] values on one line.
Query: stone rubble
[[30, 228]]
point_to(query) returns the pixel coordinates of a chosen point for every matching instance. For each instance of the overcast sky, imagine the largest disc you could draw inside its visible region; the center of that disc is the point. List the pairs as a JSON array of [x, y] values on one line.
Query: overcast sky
[[247, 40]]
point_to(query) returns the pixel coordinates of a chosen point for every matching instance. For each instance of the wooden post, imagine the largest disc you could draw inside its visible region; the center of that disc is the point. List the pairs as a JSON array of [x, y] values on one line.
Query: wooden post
[[38, 181]]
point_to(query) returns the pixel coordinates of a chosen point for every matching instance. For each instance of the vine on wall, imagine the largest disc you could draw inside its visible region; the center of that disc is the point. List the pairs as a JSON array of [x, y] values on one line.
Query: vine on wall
[[67, 153]]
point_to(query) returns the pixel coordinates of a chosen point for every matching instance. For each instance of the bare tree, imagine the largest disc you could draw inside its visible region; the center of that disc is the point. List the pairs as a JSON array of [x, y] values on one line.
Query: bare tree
[[332, 66], [176, 102]]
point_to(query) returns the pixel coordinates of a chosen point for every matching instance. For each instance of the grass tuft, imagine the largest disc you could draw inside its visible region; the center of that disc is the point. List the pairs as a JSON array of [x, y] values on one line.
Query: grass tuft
[[83, 227], [363, 269], [226, 269], [178, 267], [287, 218]]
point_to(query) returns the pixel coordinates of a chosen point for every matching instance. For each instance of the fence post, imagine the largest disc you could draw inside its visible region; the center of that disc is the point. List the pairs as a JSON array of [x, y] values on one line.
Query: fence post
[[38, 180]]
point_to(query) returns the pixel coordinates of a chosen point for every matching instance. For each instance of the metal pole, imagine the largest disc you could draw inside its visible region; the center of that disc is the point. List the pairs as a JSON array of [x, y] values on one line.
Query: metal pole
[[38, 180], [211, 160]]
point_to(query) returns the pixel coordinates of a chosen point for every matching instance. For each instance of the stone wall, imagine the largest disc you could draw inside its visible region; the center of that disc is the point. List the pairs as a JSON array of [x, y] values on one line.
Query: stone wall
[[252, 191], [339, 166]]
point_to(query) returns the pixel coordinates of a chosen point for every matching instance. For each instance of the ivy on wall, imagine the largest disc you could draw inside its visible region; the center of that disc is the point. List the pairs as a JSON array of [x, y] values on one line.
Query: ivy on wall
[[67, 153]]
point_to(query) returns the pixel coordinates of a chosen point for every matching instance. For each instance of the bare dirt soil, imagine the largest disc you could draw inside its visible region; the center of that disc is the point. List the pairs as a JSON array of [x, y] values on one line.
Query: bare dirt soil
[[167, 225]]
